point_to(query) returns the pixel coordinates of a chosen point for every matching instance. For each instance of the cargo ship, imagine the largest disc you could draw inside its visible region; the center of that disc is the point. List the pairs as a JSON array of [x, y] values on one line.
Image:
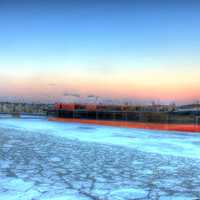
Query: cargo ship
[[127, 116]]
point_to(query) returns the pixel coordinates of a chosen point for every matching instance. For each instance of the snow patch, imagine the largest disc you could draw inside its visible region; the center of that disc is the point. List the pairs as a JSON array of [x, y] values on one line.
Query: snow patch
[[127, 193]]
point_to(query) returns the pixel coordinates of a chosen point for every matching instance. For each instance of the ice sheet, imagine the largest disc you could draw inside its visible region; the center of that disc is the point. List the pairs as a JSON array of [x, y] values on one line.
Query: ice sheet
[[162, 142], [42, 160]]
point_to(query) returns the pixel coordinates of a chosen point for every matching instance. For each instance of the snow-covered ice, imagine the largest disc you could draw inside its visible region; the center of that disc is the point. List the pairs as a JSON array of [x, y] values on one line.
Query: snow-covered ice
[[42, 160]]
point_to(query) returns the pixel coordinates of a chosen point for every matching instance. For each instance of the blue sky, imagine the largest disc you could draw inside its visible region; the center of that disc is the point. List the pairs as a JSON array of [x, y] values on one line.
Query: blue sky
[[99, 39]]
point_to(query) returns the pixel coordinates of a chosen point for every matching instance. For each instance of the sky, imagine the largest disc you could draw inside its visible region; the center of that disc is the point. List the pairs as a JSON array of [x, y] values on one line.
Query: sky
[[139, 50]]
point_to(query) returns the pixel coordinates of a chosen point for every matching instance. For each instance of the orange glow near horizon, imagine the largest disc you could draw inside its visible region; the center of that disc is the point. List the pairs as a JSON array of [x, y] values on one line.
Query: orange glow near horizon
[[141, 85]]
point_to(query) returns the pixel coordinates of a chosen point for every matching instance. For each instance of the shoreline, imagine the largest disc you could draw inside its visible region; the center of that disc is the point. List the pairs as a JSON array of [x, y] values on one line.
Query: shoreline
[[141, 125]]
